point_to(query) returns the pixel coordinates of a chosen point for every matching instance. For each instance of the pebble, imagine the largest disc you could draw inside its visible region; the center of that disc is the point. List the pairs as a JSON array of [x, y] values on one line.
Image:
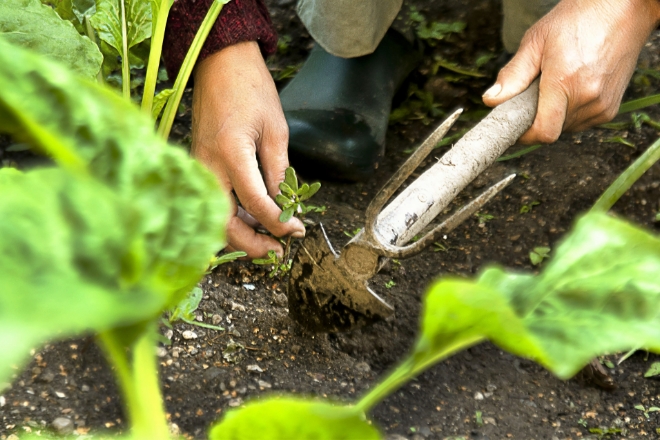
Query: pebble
[[280, 300], [216, 319], [47, 377], [84, 388], [60, 395], [264, 384], [169, 333], [478, 396], [237, 306], [3, 401], [63, 425], [249, 286], [295, 349], [490, 421], [363, 367], [425, 431], [254, 369], [174, 429], [235, 402], [491, 388], [161, 352], [188, 334]]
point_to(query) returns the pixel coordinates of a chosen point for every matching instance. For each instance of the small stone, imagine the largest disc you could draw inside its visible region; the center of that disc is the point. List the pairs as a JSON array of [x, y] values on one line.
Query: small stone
[[60, 395], [254, 369], [188, 334], [249, 286], [295, 349], [63, 425], [46, 377], [490, 421], [161, 352], [363, 367], [235, 402], [425, 431], [236, 333], [491, 388], [478, 396], [264, 384], [280, 300], [3, 401], [174, 429], [84, 388], [169, 333], [176, 351], [216, 319], [237, 306]]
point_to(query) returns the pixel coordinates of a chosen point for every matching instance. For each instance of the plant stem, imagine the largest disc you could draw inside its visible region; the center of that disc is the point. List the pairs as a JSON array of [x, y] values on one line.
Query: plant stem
[[157, 37], [125, 66], [90, 34], [640, 103], [138, 382], [410, 368], [186, 68], [627, 178], [287, 249]]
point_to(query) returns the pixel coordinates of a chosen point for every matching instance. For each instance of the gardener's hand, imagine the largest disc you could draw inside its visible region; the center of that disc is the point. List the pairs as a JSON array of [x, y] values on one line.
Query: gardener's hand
[[585, 52], [237, 118]]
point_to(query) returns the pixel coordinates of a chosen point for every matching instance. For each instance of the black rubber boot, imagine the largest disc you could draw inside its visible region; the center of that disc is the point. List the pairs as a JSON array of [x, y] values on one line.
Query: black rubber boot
[[337, 109]]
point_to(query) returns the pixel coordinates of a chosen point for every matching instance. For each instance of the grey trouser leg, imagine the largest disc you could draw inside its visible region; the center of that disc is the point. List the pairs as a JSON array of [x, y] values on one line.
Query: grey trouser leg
[[352, 28], [519, 15], [348, 28]]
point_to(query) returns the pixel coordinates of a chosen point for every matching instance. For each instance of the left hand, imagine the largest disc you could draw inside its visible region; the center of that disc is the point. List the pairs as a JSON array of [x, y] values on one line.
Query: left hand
[[585, 52]]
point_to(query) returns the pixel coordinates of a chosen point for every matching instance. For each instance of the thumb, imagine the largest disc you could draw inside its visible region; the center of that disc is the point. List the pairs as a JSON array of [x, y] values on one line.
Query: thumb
[[517, 75]]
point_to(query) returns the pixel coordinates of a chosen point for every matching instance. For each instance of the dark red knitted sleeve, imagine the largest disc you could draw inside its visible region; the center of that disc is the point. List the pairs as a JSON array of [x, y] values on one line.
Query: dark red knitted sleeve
[[240, 20]]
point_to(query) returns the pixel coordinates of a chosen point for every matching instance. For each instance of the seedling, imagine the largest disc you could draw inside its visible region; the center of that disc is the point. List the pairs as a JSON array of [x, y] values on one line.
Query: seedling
[[185, 310], [434, 31], [527, 207], [439, 247], [390, 284], [619, 140], [478, 417], [291, 201], [648, 411], [654, 370], [483, 217], [539, 254], [352, 233]]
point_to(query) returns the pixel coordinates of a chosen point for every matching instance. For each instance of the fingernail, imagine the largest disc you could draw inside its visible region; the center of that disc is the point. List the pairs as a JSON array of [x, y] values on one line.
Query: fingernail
[[493, 91], [298, 234]]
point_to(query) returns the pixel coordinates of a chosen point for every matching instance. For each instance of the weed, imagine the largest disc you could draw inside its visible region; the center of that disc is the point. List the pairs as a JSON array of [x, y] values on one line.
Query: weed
[[390, 284], [646, 411], [619, 140], [654, 370], [352, 233], [439, 247], [483, 217], [527, 207], [539, 254]]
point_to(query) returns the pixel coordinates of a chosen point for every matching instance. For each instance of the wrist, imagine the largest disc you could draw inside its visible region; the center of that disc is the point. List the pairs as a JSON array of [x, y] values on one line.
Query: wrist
[[239, 54]]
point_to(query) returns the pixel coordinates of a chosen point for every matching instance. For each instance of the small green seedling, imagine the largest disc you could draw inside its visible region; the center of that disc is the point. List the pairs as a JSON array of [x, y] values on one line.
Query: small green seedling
[[279, 266], [483, 217], [439, 247], [185, 310], [539, 254], [648, 411], [352, 233], [292, 197], [524, 209], [478, 417], [390, 284], [602, 432], [619, 140], [654, 370], [224, 258]]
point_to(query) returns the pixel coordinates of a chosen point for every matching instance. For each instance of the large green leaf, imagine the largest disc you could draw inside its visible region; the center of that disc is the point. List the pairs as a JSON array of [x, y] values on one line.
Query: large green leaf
[[600, 293], [108, 22], [30, 24], [148, 221], [289, 418]]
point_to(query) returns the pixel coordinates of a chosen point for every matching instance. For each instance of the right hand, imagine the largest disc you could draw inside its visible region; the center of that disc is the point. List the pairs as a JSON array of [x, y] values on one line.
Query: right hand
[[237, 118]]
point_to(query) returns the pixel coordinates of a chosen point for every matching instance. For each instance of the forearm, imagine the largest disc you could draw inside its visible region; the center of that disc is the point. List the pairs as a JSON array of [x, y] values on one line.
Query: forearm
[[239, 21]]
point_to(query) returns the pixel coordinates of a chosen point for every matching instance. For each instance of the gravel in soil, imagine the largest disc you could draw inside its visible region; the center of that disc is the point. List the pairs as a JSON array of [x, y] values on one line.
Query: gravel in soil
[[481, 393]]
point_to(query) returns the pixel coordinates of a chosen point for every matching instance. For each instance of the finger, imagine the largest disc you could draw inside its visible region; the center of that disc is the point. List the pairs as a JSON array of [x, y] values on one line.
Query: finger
[[518, 74], [247, 218], [242, 237], [251, 191], [273, 154], [550, 115], [229, 249]]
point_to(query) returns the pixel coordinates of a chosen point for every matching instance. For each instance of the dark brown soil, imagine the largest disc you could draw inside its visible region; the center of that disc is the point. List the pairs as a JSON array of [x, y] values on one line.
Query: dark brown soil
[[515, 397]]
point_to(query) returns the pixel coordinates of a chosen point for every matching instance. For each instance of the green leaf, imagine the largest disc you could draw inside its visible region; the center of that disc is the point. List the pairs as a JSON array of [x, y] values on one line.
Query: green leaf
[[108, 23], [187, 306], [654, 370], [145, 222], [282, 200], [159, 102], [290, 418], [600, 293], [291, 179], [313, 189], [286, 189], [226, 258], [303, 189], [287, 214], [30, 24]]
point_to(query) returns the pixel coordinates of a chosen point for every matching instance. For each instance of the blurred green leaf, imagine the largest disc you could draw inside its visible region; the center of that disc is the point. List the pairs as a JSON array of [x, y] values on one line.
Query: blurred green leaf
[[290, 418], [30, 24], [291, 179]]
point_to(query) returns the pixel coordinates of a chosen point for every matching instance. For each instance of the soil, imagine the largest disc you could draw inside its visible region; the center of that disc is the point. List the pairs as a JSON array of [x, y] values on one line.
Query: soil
[[514, 397]]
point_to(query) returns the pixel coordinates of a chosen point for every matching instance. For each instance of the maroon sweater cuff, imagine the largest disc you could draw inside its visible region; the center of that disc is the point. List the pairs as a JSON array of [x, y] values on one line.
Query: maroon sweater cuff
[[240, 20]]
